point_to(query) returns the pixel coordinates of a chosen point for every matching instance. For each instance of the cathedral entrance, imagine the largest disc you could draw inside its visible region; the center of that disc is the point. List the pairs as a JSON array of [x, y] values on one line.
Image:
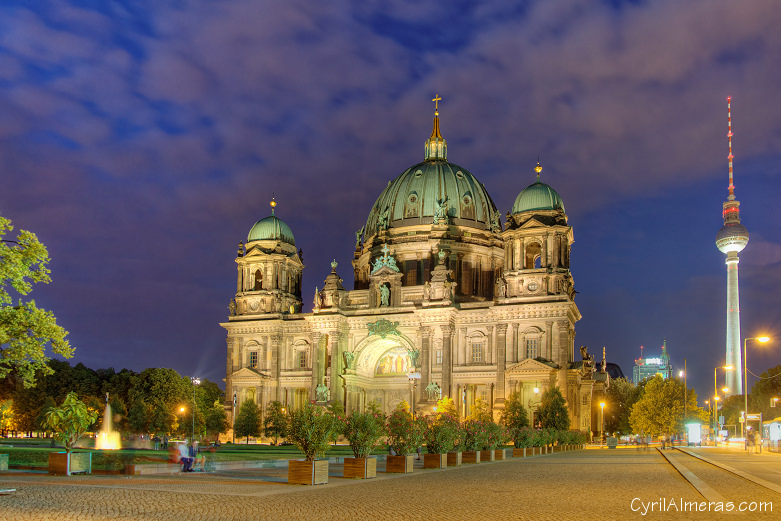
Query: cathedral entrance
[[381, 373]]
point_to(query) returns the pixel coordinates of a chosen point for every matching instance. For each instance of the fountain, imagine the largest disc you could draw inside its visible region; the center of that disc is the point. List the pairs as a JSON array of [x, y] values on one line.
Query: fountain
[[108, 438]]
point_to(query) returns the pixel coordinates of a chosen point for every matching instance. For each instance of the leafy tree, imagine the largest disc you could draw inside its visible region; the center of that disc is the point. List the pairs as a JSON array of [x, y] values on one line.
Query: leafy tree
[[552, 412], [6, 416], [514, 415], [275, 422], [69, 421], [363, 431], [481, 411], [446, 405], [732, 410], [763, 391], [620, 397], [216, 420], [405, 433], [25, 329], [659, 410], [247, 421]]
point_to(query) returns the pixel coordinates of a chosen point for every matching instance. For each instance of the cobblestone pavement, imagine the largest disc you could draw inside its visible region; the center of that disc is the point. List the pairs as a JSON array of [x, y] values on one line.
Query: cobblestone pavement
[[588, 485]]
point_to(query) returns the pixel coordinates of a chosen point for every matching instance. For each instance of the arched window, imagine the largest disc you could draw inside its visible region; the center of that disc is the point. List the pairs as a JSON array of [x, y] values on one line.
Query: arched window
[[477, 348], [301, 359], [533, 256], [532, 347], [253, 359], [258, 280]]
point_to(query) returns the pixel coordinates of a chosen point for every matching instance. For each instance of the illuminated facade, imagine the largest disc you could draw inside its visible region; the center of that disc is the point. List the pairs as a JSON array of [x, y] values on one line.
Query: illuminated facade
[[446, 302]]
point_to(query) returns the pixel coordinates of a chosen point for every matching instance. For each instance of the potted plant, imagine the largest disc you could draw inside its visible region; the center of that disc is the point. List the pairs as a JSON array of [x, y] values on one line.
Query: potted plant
[[489, 441], [362, 431], [405, 435], [516, 421], [68, 423], [441, 435], [310, 428], [474, 438]]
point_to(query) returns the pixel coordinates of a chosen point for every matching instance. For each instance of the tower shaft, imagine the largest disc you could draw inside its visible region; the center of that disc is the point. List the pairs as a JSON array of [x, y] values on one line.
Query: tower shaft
[[734, 377]]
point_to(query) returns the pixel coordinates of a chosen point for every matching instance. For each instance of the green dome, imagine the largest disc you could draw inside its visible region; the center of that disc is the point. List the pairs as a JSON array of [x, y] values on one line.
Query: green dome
[[271, 228], [414, 196], [538, 196]]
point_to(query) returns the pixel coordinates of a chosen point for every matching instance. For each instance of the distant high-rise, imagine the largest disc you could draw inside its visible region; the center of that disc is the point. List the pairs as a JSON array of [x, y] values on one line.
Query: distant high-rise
[[731, 239], [646, 368]]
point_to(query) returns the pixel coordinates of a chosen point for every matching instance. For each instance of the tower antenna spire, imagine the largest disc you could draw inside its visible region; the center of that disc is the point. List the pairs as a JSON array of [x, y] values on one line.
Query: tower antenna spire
[[729, 157]]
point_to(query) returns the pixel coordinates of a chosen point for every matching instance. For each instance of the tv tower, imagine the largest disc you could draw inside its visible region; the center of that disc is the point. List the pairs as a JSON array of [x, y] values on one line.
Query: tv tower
[[731, 239]]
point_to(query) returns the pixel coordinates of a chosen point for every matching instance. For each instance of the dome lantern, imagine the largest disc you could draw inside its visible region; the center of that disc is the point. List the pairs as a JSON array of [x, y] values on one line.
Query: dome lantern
[[436, 146]]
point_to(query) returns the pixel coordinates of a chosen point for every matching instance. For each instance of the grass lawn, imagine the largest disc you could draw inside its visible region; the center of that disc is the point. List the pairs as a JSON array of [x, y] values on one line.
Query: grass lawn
[[34, 452]]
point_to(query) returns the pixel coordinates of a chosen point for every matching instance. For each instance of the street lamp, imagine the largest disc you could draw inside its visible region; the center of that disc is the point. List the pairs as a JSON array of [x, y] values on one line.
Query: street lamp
[[196, 381], [602, 428], [716, 404], [761, 339]]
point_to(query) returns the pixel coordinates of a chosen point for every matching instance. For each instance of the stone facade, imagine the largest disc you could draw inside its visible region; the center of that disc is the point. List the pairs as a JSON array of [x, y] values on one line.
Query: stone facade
[[445, 303]]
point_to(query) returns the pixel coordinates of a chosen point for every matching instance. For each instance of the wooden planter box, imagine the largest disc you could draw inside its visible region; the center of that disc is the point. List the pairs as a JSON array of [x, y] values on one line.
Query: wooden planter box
[[302, 472], [3, 462], [400, 464], [435, 461], [487, 455], [453, 459], [67, 463], [501, 454], [519, 452], [360, 468], [471, 456]]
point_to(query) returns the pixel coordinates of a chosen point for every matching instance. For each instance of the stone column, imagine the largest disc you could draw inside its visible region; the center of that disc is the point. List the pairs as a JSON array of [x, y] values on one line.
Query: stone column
[[424, 335], [276, 342], [518, 260], [489, 355], [549, 340], [501, 352], [462, 356], [336, 383], [447, 360], [315, 365], [514, 348]]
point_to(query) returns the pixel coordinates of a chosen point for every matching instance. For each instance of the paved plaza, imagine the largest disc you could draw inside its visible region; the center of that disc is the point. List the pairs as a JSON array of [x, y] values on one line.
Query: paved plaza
[[588, 484]]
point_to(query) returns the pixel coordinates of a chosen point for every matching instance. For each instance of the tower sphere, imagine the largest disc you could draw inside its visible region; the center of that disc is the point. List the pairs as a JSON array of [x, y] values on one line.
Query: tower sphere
[[732, 237]]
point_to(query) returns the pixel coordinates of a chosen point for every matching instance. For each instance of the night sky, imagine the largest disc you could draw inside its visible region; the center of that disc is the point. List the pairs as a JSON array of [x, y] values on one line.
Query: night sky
[[141, 140]]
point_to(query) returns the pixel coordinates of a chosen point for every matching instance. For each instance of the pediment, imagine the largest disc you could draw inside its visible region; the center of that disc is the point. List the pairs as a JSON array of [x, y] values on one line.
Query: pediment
[[530, 365], [532, 223], [246, 373]]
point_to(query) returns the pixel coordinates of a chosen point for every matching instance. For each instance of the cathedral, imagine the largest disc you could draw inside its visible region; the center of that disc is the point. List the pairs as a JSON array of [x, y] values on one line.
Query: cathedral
[[446, 302]]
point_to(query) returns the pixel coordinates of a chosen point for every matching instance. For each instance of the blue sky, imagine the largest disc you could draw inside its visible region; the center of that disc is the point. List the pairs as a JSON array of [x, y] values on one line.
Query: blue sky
[[141, 141]]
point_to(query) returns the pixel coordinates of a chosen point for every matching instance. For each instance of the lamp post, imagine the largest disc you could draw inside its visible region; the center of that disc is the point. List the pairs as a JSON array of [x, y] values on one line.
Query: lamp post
[[716, 402], [683, 375], [761, 339], [413, 378], [602, 428], [196, 381]]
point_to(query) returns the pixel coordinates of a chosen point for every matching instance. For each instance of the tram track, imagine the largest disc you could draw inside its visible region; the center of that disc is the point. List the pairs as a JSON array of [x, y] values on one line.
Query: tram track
[[717, 482]]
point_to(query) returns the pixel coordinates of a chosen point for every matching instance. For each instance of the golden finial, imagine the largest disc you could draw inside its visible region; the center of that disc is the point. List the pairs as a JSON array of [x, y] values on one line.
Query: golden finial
[[273, 204], [538, 169], [436, 101]]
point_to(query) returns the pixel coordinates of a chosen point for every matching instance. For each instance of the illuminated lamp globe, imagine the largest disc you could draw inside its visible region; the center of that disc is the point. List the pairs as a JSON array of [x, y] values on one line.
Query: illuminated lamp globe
[[732, 237]]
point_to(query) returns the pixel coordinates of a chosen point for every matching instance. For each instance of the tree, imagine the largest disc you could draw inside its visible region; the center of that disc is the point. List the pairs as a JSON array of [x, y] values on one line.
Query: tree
[[25, 329], [764, 390], [275, 422], [659, 410], [552, 412], [6, 416], [620, 397], [216, 420], [311, 428], [69, 421], [247, 421], [514, 415], [446, 405], [481, 411]]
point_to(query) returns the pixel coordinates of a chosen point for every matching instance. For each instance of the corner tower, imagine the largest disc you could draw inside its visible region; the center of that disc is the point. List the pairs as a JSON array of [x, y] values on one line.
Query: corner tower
[[731, 239]]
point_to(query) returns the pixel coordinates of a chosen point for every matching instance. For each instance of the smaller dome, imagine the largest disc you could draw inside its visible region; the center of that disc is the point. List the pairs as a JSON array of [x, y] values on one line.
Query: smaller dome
[[538, 196], [271, 228], [732, 237]]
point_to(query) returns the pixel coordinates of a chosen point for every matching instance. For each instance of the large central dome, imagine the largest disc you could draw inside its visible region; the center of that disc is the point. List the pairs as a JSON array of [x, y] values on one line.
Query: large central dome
[[414, 197]]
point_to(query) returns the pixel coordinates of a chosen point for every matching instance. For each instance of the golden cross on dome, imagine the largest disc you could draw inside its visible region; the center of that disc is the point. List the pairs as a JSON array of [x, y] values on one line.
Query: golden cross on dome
[[436, 101]]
